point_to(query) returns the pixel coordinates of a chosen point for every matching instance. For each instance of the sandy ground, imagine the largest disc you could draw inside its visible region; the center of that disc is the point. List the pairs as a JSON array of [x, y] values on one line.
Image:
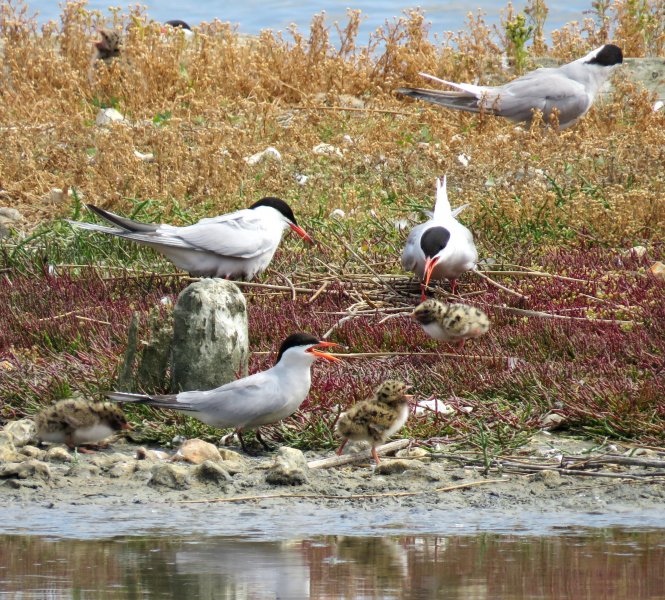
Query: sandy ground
[[111, 491]]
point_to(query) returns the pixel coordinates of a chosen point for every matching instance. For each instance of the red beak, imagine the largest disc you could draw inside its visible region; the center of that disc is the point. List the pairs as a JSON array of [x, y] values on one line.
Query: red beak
[[301, 232], [325, 355], [430, 263]]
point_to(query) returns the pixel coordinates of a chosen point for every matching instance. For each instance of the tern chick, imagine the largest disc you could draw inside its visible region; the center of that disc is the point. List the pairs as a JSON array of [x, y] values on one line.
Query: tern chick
[[569, 90], [75, 422], [451, 322], [234, 245], [441, 248], [376, 419], [260, 399], [108, 46]]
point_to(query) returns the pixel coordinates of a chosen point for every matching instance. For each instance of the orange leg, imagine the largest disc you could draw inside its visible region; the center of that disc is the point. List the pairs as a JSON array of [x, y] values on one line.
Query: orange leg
[[339, 450], [375, 455], [423, 297], [453, 285]]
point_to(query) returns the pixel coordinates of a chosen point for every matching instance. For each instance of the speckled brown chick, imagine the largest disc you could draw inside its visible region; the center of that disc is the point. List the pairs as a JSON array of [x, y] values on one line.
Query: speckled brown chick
[[451, 322], [108, 45], [75, 422], [376, 419]]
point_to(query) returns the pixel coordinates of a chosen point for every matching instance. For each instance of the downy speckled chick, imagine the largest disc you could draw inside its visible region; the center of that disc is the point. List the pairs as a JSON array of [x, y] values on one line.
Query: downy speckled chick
[[108, 46], [376, 419], [74, 422], [451, 322]]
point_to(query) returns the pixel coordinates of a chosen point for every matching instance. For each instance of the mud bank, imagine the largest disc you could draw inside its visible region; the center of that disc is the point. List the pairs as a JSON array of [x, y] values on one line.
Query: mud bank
[[112, 492]]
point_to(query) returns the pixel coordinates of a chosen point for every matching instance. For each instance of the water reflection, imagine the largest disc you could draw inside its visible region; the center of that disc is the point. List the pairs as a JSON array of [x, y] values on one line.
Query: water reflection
[[595, 564]]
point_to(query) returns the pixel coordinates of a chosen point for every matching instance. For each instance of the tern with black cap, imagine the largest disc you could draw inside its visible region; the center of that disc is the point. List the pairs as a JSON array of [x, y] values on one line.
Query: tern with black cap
[[570, 90], [234, 245], [248, 403], [441, 248]]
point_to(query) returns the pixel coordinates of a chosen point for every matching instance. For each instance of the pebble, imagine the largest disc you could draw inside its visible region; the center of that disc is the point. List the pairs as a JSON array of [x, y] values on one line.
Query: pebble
[[396, 466], [324, 149], [57, 454], [269, 153], [289, 468], [197, 451], [27, 469], [212, 472], [108, 116], [170, 476]]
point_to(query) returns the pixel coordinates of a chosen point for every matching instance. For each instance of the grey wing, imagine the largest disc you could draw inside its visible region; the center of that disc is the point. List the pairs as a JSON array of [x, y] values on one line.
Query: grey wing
[[544, 91], [235, 404], [411, 255], [457, 100]]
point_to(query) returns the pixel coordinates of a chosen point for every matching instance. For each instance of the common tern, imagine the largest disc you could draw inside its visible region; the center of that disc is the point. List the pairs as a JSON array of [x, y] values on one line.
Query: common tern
[[451, 322], [237, 244], [569, 89], [376, 419], [248, 403], [74, 422], [441, 247]]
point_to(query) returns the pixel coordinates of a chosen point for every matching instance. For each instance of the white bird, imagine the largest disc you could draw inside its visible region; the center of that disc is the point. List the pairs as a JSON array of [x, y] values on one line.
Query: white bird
[[260, 399], [441, 248], [238, 244], [569, 89]]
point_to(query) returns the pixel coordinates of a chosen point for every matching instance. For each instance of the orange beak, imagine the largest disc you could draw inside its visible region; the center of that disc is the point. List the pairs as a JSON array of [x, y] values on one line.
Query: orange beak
[[325, 355], [301, 232], [430, 263]]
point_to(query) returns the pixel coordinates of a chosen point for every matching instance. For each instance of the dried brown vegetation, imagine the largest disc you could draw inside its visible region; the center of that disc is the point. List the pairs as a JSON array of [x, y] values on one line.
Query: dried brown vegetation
[[561, 202]]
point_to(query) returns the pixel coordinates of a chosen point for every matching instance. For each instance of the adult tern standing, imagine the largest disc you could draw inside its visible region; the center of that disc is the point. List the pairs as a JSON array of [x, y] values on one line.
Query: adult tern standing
[[260, 399], [569, 90], [237, 244], [441, 248]]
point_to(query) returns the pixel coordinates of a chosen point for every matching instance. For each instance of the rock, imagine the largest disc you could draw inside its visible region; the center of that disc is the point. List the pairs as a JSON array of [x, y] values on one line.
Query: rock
[[327, 150], [211, 472], [156, 350], [419, 454], [58, 454], [148, 157], [33, 452], [634, 252], [106, 461], [269, 153], [197, 451], [8, 452], [170, 476], [108, 116], [289, 468], [122, 469], [22, 432], [82, 469], [396, 466], [151, 455], [657, 269], [210, 339], [232, 461], [552, 421], [27, 469], [9, 216], [549, 477], [434, 406]]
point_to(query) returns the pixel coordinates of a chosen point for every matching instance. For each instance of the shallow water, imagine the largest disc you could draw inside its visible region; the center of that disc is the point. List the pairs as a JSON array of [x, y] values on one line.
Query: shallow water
[[592, 563], [254, 15]]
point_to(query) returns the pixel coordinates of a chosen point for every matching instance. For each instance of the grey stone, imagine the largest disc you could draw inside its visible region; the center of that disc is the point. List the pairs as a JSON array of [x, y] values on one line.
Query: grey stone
[[27, 469], [211, 472], [58, 454], [9, 216], [290, 468], [210, 339], [156, 353], [170, 476], [33, 452], [122, 469], [8, 453], [232, 462], [550, 478], [397, 466], [23, 432]]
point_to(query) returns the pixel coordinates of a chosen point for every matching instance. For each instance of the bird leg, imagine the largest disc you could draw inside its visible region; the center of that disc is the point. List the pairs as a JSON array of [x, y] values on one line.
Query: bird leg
[[339, 450], [242, 442], [453, 285], [460, 344], [375, 455], [261, 441], [423, 297]]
